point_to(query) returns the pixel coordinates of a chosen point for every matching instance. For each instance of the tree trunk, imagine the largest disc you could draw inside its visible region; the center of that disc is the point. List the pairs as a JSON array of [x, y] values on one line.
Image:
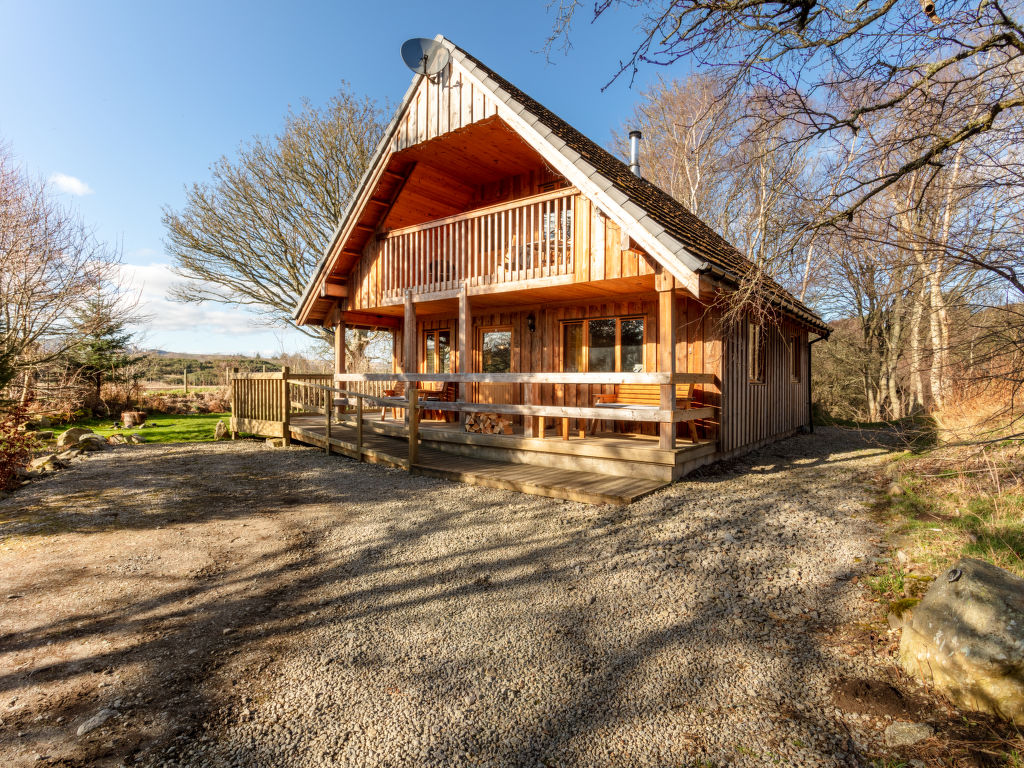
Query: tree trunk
[[916, 360]]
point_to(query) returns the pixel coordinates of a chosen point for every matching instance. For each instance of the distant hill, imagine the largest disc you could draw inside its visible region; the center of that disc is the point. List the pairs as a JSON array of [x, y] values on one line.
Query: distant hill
[[205, 370]]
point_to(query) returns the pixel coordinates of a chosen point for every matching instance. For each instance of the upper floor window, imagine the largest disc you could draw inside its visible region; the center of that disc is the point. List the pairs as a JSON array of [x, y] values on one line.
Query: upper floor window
[[603, 345], [756, 349]]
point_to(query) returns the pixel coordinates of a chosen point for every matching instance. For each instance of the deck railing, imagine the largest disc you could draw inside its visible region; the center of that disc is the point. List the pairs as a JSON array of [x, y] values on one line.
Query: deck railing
[[263, 403], [524, 240], [532, 381]]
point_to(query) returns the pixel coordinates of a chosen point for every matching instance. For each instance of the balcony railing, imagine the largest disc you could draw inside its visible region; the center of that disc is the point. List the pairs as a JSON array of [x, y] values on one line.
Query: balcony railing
[[525, 240]]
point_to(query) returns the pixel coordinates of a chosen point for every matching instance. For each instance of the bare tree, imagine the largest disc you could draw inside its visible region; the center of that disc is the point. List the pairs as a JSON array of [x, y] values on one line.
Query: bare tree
[[829, 67], [49, 263], [252, 236], [746, 179]]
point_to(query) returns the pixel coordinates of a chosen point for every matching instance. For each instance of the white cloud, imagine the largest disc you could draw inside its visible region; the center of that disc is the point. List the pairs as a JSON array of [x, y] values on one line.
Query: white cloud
[[205, 327], [70, 185]]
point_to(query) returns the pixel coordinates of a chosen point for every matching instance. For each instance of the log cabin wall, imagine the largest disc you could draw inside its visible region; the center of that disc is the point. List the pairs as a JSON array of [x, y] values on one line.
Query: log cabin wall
[[752, 412]]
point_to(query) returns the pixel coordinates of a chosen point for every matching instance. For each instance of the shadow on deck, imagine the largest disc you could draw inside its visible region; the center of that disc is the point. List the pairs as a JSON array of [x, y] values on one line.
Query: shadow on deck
[[598, 469]]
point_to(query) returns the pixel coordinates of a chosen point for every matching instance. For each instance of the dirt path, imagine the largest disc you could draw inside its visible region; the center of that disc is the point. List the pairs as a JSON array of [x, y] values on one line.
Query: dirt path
[[228, 604]]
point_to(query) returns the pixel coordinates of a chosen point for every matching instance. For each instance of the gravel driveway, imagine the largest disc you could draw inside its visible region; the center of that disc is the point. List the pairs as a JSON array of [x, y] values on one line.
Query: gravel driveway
[[256, 607]]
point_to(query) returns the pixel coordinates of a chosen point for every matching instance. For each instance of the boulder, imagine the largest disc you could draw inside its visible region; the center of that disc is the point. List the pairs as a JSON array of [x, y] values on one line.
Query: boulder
[[221, 431], [136, 439], [72, 436], [47, 463], [966, 638], [276, 442], [69, 454], [93, 442], [117, 439]]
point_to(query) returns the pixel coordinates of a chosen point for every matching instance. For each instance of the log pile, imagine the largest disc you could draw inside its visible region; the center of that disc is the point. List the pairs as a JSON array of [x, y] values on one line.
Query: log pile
[[489, 424]]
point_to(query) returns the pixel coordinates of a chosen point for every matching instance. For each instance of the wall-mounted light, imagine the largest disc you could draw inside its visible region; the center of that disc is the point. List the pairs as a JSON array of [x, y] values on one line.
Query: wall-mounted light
[[531, 323]]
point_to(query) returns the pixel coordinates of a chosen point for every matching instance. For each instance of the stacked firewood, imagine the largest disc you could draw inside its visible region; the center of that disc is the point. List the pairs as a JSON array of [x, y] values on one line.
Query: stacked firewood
[[489, 424]]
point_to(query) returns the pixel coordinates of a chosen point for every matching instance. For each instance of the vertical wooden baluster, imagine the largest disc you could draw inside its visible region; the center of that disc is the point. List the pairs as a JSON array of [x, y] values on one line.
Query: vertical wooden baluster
[[359, 427], [570, 263], [547, 231], [476, 249]]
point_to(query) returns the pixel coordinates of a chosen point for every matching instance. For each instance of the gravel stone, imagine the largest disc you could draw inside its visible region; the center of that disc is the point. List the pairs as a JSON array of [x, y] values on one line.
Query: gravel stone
[[416, 622]]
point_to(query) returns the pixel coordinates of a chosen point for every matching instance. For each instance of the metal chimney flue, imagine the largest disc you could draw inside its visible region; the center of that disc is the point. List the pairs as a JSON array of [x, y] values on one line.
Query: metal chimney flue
[[634, 152]]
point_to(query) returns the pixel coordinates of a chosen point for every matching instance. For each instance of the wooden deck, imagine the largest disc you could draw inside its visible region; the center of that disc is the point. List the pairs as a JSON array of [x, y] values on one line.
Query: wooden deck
[[383, 443]]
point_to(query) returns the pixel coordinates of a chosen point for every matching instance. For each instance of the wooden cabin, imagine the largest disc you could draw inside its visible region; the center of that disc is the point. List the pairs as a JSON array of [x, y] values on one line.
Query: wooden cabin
[[531, 280]]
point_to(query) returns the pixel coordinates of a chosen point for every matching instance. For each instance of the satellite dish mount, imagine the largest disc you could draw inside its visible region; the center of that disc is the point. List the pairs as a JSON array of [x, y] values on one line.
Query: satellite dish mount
[[425, 56]]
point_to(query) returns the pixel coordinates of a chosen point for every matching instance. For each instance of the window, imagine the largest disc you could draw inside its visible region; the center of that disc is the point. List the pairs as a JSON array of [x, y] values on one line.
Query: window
[[437, 351], [496, 350], [755, 353], [794, 357], [603, 345]]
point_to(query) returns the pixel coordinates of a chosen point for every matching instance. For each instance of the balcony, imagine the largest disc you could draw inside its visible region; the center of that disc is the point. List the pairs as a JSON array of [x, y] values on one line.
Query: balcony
[[529, 240]]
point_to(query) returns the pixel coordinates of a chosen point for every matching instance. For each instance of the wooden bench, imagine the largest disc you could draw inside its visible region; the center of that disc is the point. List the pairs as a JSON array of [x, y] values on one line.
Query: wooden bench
[[647, 396]]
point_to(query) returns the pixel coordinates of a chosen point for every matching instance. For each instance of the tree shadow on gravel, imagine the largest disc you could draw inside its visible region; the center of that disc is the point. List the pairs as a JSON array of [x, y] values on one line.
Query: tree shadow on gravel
[[418, 585]]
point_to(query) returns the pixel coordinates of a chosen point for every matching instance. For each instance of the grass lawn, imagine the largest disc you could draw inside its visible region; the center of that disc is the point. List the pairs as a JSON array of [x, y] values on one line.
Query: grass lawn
[[949, 503], [161, 427]]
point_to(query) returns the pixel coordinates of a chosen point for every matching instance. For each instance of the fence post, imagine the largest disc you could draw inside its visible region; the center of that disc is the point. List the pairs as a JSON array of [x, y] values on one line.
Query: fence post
[[234, 405], [287, 403], [414, 426], [359, 426]]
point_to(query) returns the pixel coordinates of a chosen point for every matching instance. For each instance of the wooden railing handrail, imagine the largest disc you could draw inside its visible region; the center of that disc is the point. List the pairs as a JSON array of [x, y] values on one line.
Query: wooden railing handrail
[[550, 411], [478, 212], [533, 378], [271, 375]]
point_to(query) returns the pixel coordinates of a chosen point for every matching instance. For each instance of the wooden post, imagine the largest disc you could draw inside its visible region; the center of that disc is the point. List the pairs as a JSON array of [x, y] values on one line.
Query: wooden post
[[339, 343], [465, 329], [666, 354], [359, 426], [184, 379], [414, 425], [529, 421], [234, 405], [327, 429], [286, 403], [409, 335]]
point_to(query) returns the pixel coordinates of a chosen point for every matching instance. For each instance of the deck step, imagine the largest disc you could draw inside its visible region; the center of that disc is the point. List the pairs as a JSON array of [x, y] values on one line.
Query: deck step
[[571, 485], [567, 484]]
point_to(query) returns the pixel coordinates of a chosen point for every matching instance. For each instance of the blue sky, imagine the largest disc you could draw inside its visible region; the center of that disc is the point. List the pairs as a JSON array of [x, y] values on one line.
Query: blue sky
[[122, 104]]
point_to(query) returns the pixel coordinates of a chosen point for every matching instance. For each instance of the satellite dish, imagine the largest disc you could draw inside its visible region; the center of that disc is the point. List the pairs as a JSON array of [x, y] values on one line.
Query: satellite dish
[[425, 56]]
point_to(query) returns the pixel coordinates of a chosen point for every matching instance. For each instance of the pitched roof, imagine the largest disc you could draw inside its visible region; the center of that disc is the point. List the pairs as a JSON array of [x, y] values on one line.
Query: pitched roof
[[666, 223], [641, 197]]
